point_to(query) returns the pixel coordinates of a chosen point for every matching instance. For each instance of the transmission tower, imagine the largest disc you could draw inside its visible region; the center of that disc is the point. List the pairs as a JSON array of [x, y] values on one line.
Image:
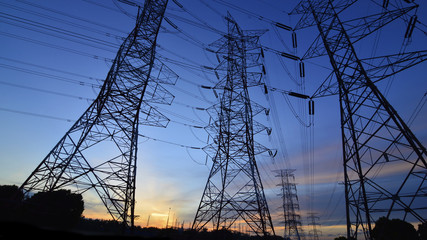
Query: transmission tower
[[234, 192], [290, 204], [99, 151], [375, 139], [313, 222]]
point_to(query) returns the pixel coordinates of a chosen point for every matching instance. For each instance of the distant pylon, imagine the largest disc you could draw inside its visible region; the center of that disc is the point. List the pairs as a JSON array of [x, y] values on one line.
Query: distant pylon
[[100, 150], [385, 169], [313, 231], [292, 219], [234, 193]]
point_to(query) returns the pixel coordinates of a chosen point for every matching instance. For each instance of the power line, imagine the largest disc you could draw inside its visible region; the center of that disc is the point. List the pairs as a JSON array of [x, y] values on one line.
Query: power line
[[46, 91], [62, 13], [69, 120], [63, 34], [60, 20], [58, 47], [52, 69], [169, 142], [55, 77], [35, 114]]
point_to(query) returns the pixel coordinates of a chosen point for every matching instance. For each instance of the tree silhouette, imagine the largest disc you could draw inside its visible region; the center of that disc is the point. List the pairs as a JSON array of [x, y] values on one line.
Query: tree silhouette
[[340, 238], [10, 202], [395, 229], [422, 231], [344, 238], [56, 209]]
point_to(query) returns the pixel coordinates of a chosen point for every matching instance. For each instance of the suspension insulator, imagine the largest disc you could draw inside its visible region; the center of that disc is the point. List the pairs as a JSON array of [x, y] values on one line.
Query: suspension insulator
[[298, 95], [290, 56], [311, 107], [301, 69], [294, 40], [283, 26], [262, 53]]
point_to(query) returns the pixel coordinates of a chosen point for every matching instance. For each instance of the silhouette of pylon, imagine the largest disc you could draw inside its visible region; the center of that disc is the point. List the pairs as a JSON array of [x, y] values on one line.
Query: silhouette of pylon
[[234, 193], [385, 167], [290, 205], [99, 151]]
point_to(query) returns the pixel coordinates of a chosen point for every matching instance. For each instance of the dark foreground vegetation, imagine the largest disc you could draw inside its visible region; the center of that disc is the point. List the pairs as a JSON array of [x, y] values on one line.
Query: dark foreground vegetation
[[395, 229], [18, 230], [58, 215]]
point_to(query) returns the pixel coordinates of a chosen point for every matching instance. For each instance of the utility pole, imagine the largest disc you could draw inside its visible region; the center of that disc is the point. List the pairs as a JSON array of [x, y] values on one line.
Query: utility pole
[[167, 221], [99, 151], [148, 221], [375, 139], [234, 191]]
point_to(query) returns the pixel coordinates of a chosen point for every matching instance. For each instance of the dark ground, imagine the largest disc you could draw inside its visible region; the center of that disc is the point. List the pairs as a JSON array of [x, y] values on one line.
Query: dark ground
[[17, 230]]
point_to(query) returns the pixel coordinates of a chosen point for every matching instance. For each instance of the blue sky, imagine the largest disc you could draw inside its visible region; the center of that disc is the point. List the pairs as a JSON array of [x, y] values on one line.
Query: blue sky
[[49, 76]]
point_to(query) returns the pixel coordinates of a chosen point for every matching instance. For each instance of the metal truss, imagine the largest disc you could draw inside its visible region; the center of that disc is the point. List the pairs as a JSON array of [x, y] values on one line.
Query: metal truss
[[234, 193], [99, 152], [385, 167], [314, 232], [292, 220]]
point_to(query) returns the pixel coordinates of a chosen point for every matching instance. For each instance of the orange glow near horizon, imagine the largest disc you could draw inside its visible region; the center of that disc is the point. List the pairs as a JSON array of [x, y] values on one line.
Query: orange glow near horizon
[[156, 219]]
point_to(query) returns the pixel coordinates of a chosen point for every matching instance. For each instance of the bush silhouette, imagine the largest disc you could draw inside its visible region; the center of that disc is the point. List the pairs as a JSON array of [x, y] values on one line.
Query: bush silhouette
[[56, 209], [422, 231], [340, 238], [10, 203], [395, 229]]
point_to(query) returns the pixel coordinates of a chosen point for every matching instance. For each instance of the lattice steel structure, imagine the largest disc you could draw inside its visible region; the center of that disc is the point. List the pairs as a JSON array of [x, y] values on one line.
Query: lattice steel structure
[[375, 139], [99, 151], [234, 192], [292, 220], [313, 231]]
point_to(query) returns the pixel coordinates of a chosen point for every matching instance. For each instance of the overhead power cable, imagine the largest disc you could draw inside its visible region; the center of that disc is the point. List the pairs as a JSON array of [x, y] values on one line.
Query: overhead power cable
[[62, 13], [69, 120], [418, 109], [58, 47], [35, 114], [60, 20], [259, 17], [56, 77], [195, 24], [46, 91], [201, 20], [169, 142], [51, 69], [53, 31]]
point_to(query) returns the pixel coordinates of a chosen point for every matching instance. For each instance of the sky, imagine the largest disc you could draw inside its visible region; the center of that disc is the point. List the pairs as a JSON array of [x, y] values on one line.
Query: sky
[[55, 53]]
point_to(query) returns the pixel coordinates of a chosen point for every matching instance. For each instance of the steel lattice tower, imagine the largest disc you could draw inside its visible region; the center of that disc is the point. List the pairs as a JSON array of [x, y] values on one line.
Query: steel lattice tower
[[375, 139], [99, 151], [290, 204], [234, 192], [313, 232]]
